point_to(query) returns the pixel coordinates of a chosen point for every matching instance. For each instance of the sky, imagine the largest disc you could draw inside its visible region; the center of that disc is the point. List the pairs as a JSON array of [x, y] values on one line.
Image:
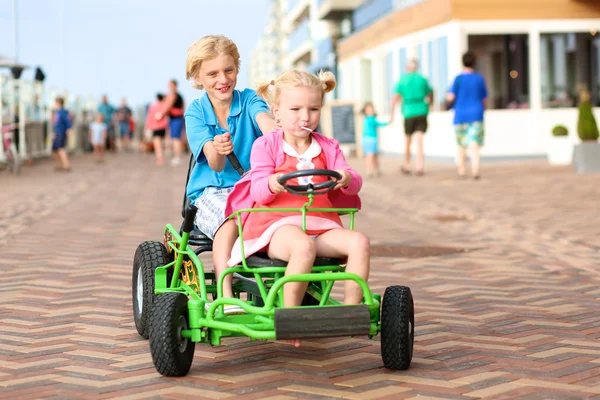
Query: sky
[[124, 48]]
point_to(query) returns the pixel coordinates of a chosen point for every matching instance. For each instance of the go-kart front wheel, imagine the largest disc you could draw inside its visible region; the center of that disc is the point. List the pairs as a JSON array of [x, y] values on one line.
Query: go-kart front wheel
[[172, 354], [397, 327], [148, 257]]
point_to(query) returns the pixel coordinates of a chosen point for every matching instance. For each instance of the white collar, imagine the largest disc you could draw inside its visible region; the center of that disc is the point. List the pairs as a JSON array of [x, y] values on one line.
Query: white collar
[[313, 151]]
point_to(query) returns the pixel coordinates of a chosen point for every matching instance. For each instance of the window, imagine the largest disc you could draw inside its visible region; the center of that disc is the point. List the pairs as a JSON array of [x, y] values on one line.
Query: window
[[430, 68], [389, 74], [442, 70], [570, 62], [503, 60], [369, 12], [398, 4], [403, 60], [420, 57]]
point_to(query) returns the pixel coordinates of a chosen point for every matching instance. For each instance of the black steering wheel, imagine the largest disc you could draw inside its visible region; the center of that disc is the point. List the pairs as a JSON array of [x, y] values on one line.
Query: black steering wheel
[[318, 189]]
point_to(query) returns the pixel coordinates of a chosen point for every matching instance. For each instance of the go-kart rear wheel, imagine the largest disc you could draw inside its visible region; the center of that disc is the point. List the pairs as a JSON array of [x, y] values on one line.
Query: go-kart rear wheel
[[397, 327], [172, 354], [148, 257]]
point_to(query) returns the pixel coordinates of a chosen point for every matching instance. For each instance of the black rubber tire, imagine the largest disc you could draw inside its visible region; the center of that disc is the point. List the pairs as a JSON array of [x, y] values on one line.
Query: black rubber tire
[[148, 257], [171, 355], [397, 327]]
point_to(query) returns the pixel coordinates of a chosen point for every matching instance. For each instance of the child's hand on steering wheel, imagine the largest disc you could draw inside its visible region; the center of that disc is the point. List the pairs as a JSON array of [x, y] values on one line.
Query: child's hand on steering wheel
[[346, 179], [223, 144], [274, 186]]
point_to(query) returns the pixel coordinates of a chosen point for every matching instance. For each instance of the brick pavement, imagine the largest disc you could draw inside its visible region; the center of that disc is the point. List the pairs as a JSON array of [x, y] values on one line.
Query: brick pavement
[[513, 316]]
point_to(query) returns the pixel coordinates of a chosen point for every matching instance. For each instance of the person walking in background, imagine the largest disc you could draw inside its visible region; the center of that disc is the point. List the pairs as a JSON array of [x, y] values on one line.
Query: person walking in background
[[370, 139], [123, 116], [61, 125], [98, 133], [468, 97], [416, 95], [174, 108], [107, 110], [157, 123]]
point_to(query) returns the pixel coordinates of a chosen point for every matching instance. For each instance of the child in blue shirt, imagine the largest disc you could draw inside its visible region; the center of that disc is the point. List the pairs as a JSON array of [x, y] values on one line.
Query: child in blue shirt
[[370, 140], [221, 121], [62, 123]]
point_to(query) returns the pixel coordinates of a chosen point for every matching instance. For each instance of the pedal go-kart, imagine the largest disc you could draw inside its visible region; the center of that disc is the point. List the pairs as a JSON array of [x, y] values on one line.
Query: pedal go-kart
[[170, 289]]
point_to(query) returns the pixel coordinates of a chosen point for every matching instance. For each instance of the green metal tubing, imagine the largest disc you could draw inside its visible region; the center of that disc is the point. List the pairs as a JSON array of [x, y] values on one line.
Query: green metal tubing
[[326, 292], [180, 254], [250, 309], [325, 276], [185, 250]]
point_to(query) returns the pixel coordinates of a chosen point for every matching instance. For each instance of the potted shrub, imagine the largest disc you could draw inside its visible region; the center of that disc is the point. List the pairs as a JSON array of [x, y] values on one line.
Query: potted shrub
[[586, 156], [560, 149]]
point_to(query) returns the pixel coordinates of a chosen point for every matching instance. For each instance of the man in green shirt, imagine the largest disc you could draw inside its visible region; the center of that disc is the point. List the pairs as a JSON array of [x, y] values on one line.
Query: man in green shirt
[[416, 95]]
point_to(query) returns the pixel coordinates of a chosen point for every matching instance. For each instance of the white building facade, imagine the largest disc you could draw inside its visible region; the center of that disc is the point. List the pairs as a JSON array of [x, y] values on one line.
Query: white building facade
[[534, 62]]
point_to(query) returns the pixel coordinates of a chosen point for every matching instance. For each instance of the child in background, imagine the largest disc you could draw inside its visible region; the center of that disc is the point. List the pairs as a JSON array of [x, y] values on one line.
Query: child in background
[[296, 99], [98, 134], [61, 126], [157, 123], [370, 139]]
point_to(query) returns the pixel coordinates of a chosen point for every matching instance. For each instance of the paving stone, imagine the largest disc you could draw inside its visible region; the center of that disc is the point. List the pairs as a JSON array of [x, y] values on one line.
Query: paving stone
[[518, 301]]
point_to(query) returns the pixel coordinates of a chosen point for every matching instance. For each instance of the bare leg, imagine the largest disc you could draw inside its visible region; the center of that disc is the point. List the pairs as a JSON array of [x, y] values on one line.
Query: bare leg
[[222, 245], [420, 161], [407, 143], [57, 159], [64, 159], [158, 151], [290, 243], [376, 164], [177, 148], [338, 243], [462, 155], [475, 157]]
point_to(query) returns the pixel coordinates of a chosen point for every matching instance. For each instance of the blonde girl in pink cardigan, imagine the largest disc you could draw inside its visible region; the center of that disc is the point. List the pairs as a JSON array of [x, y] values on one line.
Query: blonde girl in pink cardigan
[[296, 98]]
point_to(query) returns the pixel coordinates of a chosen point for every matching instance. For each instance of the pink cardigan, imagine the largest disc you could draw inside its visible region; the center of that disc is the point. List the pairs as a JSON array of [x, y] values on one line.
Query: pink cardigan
[[267, 154]]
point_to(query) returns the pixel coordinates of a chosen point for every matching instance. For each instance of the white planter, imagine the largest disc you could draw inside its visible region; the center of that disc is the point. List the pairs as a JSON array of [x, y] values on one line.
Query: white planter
[[560, 150]]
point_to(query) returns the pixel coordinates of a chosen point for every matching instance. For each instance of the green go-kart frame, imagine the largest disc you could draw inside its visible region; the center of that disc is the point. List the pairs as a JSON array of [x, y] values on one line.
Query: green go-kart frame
[[172, 306]]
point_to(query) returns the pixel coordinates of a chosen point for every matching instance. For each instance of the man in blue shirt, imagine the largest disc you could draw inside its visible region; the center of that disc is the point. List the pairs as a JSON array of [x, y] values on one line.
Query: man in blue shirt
[[107, 110], [469, 94], [221, 121]]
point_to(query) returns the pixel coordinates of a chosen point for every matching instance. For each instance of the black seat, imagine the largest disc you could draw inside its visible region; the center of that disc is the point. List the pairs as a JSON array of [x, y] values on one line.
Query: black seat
[[260, 260], [197, 238]]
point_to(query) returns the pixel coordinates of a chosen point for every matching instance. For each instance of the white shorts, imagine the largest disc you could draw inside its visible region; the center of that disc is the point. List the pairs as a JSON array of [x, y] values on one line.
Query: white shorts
[[211, 210]]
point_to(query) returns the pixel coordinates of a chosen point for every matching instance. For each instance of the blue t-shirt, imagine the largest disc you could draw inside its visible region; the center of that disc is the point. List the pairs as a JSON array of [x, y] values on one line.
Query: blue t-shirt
[[61, 122], [370, 126], [202, 126], [107, 111], [470, 91]]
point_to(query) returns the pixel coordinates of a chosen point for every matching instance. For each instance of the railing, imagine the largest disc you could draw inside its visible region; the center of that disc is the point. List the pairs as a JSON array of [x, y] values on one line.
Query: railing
[[325, 51], [370, 11], [300, 35]]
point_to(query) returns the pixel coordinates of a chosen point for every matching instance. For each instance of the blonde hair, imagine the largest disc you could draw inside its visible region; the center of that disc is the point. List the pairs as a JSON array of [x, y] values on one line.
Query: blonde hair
[[270, 91], [207, 48]]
